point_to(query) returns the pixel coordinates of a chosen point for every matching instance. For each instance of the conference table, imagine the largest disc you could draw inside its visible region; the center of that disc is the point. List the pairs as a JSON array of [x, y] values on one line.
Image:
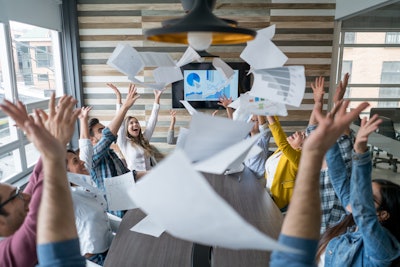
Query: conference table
[[242, 191]]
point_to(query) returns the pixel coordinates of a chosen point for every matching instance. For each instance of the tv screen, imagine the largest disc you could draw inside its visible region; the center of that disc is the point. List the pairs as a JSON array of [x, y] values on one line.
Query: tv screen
[[209, 85], [203, 85]]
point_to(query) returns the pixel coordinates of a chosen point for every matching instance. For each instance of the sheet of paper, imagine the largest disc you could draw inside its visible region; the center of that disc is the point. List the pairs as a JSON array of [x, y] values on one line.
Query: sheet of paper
[[262, 53], [223, 68], [156, 59], [181, 140], [284, 85], [148, 227], [167, 75], [261, 106], [156, 86], [229, 158], [119, 192], [240, 114], [188, 107], [192, 210], [209, 135], [190, 55], [126, 60], [82, 180], [91, 264]]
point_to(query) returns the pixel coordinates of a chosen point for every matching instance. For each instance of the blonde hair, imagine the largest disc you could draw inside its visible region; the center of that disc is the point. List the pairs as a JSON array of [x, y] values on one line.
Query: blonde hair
[[140, 140]]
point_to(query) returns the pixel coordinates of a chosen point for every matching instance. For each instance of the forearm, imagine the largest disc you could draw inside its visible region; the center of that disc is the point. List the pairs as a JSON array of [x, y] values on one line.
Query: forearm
[[56, 220], [229, 112], [304, 220], [84, 133], [118, 119]]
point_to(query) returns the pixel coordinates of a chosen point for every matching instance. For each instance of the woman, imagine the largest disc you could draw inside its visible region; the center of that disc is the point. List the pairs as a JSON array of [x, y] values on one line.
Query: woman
[[369, 235], [133, 143], [281, 167]]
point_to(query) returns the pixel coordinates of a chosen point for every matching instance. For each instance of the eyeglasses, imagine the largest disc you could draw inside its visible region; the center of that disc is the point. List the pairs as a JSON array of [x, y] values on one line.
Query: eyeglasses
[[18, 193]]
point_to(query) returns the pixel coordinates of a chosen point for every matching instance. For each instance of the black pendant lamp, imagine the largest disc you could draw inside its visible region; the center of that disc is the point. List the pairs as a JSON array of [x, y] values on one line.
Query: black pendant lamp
[[200, 28]]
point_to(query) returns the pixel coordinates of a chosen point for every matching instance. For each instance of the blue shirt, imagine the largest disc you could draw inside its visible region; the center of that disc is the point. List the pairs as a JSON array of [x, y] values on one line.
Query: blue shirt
[[60, 254], [371, 244]]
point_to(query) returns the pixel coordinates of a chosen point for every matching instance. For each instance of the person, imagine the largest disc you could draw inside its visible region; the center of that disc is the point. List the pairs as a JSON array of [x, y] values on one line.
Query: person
[[171, 139], [301, 226], [257, 163], [105, 162], [331, 207], [57, 243], [281, 167], [133, 143], [371, 226], [225, 102]]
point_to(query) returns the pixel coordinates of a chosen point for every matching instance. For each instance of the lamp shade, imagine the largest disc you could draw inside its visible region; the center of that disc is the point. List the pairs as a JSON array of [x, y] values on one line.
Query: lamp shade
[[200, 19]]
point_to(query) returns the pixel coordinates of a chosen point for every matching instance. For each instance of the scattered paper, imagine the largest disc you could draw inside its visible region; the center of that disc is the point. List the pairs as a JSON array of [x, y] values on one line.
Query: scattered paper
[[156, 59], [188, 107], [119, 192], [209, 135], [223, 68], [83, 181], [261, 106], [148, 227], [167, 75], [189, 56], [229, 158], [192, 210], [281, 85], [126, 59], [262, 53], [181, 140], [156, 86]]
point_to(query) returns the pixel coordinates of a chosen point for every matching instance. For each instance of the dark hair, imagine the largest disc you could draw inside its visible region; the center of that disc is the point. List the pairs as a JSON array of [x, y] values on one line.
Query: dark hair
[[91, 124], [140, 140]]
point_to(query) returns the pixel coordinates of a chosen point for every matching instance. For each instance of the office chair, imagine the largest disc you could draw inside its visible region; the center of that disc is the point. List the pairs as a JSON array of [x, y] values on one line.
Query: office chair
[[386, 128]]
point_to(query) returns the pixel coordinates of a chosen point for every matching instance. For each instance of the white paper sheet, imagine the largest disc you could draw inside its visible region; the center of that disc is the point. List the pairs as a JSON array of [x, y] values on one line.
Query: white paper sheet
[[126, 60], [190, 55], [229, 158], [167, 75], [209, 135], [262, 53], [261, 106], [156, 86], [148, 227], [181, 140], [284, 85], [119, 192], [192, 210], [223, 68], [82, 180], [188, 107], [156, 59]]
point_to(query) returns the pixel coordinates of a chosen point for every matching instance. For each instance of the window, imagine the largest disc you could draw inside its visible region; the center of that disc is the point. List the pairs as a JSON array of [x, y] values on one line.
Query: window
[[390, 75], [30, 68], [349, 37], [392, 38]]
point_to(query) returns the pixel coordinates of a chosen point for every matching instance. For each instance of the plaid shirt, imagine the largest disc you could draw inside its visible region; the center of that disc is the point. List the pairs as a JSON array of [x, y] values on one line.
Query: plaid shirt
[[331, 207], [106, 163]]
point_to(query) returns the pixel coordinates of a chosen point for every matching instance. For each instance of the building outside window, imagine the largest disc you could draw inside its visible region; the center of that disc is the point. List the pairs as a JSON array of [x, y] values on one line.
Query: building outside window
[[392, 38]]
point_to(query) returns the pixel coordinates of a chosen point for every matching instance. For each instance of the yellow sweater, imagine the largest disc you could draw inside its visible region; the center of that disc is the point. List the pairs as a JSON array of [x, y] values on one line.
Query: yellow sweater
[[285, 175]]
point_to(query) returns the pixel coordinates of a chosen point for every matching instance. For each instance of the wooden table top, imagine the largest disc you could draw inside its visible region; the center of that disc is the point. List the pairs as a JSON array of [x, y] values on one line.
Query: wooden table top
[[245, 195]]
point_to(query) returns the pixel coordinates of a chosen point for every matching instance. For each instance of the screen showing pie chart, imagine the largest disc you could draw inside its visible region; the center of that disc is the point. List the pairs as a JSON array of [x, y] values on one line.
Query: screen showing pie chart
[[193, 78]]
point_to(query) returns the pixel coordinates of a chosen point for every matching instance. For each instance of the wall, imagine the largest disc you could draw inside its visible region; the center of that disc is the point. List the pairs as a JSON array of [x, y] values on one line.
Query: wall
[[304, 31]]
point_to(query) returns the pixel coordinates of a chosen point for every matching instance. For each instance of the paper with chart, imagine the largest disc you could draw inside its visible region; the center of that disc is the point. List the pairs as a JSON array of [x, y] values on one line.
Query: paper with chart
[[119, 192], [223, 68], [261, 106], [284, 85], [192, 210], [262, 53], [167, 75], [126, 59], [227, 159], [208, 135], [148, 227]]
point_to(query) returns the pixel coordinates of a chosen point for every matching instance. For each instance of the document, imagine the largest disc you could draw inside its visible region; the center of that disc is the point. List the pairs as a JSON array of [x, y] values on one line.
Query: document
[[227, 159], [188, 107], [261, 106], [180, 141], [192, 210], [126, 60], [167, 75], [189, 56], [156, 86], [148, 227], [284, 85], [119, 192], [262, 53], [156, 59], [223, 68], [209, 135], [82, 180]]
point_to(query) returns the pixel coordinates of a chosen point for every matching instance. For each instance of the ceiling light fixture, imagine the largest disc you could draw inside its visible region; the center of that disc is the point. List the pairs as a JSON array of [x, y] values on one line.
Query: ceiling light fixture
[[200, 28]]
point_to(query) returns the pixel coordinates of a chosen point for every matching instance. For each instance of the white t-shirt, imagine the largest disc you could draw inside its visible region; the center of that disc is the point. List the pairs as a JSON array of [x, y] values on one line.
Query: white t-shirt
[[270, 168]]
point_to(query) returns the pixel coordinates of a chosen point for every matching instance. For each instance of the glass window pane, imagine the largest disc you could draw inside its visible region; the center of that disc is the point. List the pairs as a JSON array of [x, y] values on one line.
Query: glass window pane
[[10, 164], [32, 155], [37, 71]]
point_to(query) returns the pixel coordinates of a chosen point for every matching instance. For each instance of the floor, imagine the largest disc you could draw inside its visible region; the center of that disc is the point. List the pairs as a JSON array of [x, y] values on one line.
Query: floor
[[384, 171]]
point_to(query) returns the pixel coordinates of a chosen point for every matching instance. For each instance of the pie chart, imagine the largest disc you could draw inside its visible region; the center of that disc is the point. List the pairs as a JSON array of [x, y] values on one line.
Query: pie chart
[[193, 78]]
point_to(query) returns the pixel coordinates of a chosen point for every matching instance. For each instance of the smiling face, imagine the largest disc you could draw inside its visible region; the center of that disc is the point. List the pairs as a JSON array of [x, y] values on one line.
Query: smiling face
[[75, 165], [296, 140], [14, 212], [133, 126]]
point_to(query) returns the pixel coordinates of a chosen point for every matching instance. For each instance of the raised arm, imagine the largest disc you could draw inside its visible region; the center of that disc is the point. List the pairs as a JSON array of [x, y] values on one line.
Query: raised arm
[[171, 131], [224, 102], [85, 145], [152, 122], [318, 95]]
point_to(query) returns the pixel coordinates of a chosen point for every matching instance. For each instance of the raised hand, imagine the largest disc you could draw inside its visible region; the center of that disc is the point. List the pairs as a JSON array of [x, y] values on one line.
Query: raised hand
[[173, 115], [341, 89], [366, 128], [131, 97], [116, 91], [224, 101], [84, 113], [17, 112], [157, 96], [318, 89]]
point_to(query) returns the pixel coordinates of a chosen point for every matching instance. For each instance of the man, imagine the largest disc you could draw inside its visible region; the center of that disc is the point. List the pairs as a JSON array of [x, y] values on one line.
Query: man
[[105, 162], [18, 223]]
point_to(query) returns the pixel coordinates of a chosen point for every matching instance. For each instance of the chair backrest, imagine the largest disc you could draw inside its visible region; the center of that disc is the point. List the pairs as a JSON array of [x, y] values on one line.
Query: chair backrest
[[386, 128]]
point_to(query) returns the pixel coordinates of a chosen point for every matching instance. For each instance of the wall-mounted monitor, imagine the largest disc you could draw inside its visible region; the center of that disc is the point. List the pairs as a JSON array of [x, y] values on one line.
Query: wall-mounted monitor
[[203, 85]]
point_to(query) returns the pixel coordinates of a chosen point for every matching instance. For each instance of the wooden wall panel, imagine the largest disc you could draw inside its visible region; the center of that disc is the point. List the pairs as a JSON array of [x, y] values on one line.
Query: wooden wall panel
[[304, 32]]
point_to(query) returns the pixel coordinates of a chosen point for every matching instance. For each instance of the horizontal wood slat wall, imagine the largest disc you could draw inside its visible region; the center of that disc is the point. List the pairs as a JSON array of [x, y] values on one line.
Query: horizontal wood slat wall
[[304, 32]]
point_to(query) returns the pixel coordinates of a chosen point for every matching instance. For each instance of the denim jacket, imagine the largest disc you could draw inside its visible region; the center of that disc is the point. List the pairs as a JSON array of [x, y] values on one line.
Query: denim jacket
[[371, 244]]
